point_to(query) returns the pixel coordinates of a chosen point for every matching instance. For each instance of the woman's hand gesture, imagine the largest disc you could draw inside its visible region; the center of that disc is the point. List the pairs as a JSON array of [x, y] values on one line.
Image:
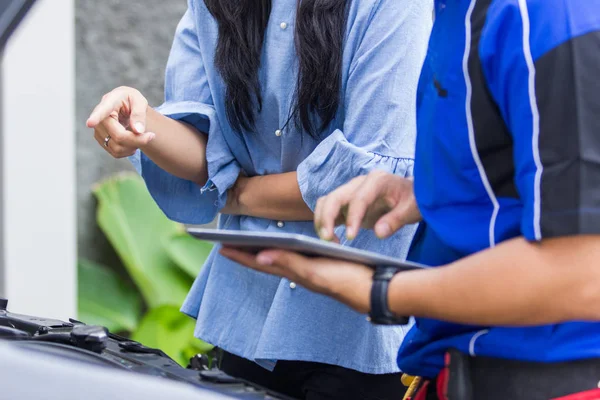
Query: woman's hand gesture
[[119, 122]]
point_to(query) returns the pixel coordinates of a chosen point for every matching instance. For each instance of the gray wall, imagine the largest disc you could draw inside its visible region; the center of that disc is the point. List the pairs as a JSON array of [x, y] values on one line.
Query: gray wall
[[119, 42]]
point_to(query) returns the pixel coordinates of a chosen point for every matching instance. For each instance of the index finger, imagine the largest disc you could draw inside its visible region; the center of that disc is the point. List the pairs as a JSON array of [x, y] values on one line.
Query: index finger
[[329, 208], [362, 201], [109, 104]]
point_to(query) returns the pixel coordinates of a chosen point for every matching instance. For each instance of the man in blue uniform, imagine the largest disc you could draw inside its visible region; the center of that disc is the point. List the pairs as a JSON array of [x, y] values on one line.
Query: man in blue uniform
[[507, 190]]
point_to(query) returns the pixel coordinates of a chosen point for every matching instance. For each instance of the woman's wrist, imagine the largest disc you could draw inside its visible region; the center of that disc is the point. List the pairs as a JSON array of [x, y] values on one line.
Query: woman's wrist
[[235, 197], [276, 197], [152, 116], [153, 125]]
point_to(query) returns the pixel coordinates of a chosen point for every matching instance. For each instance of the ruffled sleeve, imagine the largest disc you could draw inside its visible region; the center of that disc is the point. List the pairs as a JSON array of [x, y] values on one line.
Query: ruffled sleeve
[[188, 99], [337, 161], [379, 129]]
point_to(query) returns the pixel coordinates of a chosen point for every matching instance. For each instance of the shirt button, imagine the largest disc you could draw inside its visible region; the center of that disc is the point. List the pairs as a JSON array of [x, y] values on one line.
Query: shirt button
[[292, 285], [280, 224], [283, 26], [278, 132]]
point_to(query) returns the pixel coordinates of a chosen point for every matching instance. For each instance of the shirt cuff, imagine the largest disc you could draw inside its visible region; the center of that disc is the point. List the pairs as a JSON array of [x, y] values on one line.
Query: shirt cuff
[[194, 113], [335, 162], [221, 181], [181, 200]]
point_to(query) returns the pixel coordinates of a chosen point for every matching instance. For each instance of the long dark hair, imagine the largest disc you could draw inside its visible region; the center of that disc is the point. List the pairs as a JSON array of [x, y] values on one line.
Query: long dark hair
[[319, 40]]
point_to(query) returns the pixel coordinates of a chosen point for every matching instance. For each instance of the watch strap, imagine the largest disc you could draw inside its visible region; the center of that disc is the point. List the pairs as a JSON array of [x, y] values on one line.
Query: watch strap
[[380, 312]]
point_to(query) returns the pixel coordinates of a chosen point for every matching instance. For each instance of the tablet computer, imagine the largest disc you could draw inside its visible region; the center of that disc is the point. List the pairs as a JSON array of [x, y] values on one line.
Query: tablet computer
[[253, 242]]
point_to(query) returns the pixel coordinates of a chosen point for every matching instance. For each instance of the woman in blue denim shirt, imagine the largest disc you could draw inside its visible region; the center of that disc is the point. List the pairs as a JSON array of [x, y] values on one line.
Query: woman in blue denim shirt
[[270, 105]]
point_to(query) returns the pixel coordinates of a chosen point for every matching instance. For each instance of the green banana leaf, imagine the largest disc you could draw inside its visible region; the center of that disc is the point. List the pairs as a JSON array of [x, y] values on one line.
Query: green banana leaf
[[166, 328], [137, 229], [105, 299], [188, 252]]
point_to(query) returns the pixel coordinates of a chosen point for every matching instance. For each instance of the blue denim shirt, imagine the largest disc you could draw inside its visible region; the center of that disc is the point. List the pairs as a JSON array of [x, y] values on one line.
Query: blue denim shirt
[[265, 318]]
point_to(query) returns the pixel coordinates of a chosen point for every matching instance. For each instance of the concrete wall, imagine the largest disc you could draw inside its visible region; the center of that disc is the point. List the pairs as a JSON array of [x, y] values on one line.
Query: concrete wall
[[119, 42]]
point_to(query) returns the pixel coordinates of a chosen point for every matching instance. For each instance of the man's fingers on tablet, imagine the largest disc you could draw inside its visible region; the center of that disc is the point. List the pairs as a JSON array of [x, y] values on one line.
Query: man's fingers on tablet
[[391, 222], [321, 216], [284, 259], [291, 265], [238, 256], [318, 214], [405, 212], [274, 262], [356, 213], [249, 260], [321, 221], [332, 205], [365, 197], [330, 210]]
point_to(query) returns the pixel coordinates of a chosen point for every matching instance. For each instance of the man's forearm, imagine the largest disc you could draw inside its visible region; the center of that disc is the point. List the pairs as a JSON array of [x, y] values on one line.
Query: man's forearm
[[276, 197], [178, 148], [514, 284]]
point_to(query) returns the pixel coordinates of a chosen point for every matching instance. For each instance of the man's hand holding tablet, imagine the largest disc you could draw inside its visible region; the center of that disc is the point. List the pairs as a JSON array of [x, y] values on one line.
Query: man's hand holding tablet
[[347, 282], [380, 200]]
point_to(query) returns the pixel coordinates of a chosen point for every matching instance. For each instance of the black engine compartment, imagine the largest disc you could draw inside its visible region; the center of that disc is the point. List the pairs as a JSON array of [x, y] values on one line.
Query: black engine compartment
[[95, 345]]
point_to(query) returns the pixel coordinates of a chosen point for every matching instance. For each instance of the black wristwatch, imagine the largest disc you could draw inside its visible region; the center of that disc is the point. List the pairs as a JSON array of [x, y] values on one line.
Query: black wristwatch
[[380, 311]]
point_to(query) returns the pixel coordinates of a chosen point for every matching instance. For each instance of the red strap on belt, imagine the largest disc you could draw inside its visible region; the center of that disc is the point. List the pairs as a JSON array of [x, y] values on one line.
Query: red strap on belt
[[422, 393], [441, 384], [589, 395], [443, 378]]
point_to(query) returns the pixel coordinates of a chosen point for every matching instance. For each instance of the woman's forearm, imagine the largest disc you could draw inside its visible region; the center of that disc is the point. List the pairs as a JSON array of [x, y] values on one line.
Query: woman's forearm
[[178, 148], [276, 197], [516, 283]]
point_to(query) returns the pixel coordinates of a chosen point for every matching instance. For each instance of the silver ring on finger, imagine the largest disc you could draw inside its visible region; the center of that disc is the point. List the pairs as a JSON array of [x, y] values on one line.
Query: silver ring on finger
[[106, 140]]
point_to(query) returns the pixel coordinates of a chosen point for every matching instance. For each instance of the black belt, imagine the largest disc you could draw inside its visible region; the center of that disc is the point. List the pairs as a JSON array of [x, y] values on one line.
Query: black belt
[[485, 378]]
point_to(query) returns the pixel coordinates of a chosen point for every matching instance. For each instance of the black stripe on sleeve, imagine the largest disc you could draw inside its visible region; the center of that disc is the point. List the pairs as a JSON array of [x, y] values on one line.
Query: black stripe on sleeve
[[492, 137], [568, 96]]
